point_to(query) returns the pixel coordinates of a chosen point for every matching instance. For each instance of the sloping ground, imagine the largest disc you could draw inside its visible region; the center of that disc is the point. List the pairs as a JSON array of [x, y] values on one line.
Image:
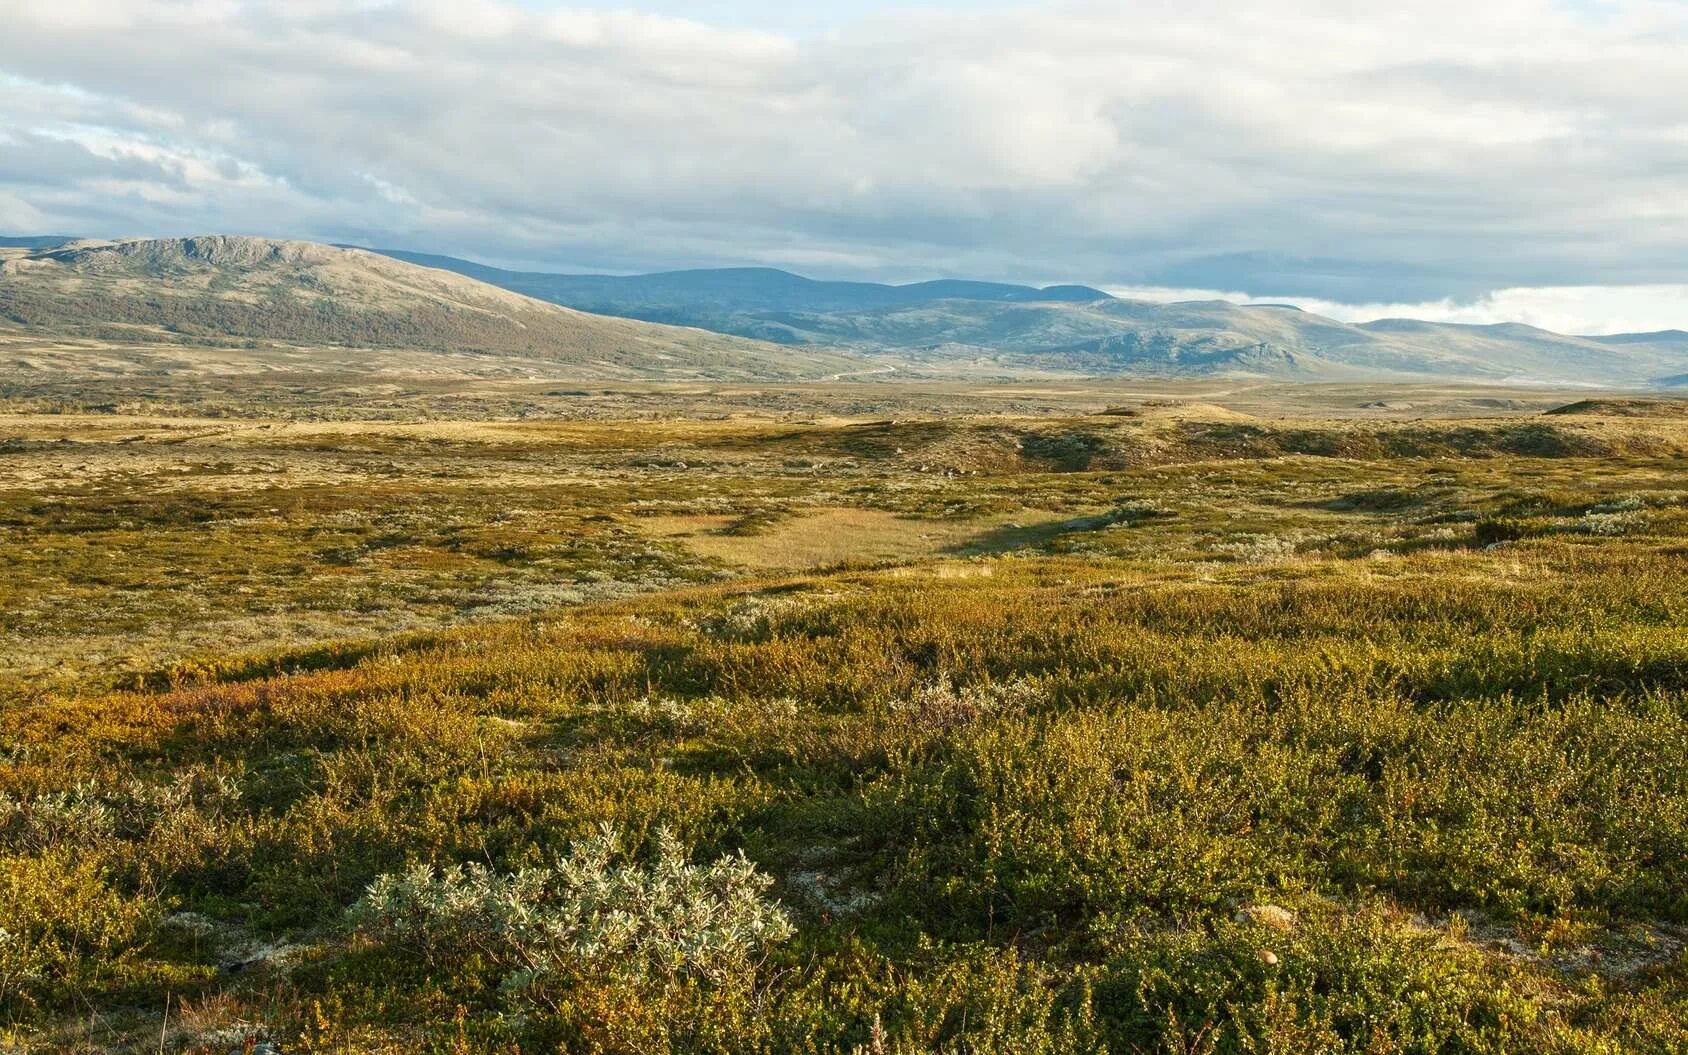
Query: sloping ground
[[222, 290], [1207, 338], [1178, 409], [1107, 442], [1625, 408], [129, 539]]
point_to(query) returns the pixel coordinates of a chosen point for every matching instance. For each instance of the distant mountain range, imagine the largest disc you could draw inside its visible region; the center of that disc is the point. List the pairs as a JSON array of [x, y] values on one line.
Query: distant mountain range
[[36, 241], [737, 290], [959, 326], [746, 324]]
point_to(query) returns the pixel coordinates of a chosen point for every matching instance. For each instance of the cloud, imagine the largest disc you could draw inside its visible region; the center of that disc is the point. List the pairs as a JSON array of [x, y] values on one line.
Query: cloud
[[1430, 153], [1589, 310], [1563, 309]]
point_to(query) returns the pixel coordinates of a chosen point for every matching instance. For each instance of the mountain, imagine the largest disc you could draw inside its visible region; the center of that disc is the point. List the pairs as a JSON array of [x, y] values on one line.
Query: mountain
[[1529, 353], [218, 290], [1672, 338], [322, 303], [958, 327], [734, 290], [39, 241]]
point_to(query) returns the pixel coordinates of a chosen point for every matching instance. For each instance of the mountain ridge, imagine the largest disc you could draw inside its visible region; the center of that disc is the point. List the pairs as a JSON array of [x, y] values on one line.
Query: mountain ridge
[[752, 323], [946, 323], [221, 289], [741, 288]]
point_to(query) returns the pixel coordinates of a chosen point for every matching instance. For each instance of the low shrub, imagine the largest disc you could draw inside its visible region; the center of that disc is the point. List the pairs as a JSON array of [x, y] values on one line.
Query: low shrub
[[586, 919], [64, 930]]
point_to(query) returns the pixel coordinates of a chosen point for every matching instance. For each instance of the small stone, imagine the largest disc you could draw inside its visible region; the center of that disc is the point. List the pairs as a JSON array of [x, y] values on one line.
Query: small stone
[[1268, 957]]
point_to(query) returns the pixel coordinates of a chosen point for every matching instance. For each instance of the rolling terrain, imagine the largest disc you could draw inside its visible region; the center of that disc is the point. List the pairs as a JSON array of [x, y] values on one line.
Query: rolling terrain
[[366, 687], [957, 326], [1060, 720], [307, 305], [235, 304]]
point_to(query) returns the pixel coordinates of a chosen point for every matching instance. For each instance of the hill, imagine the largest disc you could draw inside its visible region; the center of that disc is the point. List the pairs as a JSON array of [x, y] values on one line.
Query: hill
[[733, 290], [1624, 408], [217, 290], [960, 326], [34, 242]]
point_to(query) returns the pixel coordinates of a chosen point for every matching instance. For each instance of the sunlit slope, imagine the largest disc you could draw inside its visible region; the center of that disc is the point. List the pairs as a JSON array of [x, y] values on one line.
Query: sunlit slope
[[254, 292]]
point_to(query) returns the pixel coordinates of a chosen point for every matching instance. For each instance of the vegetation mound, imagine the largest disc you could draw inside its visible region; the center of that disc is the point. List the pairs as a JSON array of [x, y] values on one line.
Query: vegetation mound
[[1177, 409], [1625, 408]]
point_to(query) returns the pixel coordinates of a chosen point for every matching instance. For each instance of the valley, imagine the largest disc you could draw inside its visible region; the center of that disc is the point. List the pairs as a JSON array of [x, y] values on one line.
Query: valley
[[517, 679], [881, 527]]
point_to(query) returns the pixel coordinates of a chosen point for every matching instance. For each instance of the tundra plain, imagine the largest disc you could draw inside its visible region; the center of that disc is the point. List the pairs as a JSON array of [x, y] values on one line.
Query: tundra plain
[[494, 715]]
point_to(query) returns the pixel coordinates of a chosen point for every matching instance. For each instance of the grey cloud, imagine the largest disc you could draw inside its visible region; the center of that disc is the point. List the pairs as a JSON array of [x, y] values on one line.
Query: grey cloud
[[1295, 148]]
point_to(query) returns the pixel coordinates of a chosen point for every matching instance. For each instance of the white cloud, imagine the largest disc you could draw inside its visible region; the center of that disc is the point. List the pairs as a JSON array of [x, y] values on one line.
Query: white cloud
[[1454, 157], [1563, 309], [17, 214], [1589, 310]]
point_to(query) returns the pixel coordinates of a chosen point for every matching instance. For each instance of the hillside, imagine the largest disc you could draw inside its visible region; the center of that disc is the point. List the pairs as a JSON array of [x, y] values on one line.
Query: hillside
[[950, 326], [1624, 408], [732, 290], [253, 292]]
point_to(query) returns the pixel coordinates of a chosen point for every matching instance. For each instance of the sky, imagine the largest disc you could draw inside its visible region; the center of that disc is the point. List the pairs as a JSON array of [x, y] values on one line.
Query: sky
[[1505, 160]]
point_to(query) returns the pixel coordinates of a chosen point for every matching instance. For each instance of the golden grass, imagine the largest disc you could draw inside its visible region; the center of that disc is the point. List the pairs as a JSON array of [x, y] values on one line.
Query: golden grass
[[830, 537]]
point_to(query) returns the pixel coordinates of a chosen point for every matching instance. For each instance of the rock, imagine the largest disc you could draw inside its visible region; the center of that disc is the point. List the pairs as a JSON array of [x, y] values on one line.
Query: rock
[[1268, 957], [1276, 917]]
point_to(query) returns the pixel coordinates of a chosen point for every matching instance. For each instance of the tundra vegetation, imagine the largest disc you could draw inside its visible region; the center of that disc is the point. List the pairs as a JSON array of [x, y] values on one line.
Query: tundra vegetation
[[1172, 729]]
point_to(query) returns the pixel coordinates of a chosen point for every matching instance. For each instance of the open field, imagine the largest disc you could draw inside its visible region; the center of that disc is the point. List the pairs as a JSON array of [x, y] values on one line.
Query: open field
[[347, 384], [1046, 717]]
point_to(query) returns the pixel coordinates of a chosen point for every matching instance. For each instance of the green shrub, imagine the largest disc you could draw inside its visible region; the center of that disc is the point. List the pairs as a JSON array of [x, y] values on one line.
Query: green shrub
[[1330, 980], [64, 931], [584, 919], [1490, 531]]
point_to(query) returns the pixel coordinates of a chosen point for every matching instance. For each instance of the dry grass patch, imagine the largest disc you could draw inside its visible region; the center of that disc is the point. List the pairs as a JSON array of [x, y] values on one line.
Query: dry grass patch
[[829, 537]]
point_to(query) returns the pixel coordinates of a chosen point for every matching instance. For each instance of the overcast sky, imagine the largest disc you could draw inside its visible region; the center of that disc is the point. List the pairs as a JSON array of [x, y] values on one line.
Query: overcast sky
[[1479, 160]]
